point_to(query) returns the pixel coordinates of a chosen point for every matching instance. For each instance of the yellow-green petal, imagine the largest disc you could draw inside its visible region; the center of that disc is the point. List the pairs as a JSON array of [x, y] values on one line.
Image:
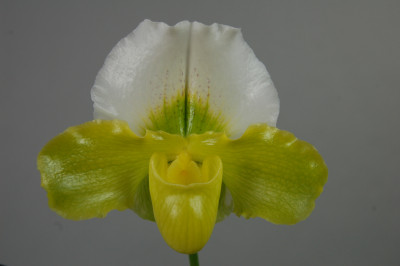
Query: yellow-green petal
[[98, 166], [269, 172], [185, 214]]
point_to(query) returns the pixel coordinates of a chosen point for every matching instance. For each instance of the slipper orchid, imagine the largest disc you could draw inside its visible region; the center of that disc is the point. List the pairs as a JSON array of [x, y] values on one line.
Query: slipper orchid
[[184, 135]]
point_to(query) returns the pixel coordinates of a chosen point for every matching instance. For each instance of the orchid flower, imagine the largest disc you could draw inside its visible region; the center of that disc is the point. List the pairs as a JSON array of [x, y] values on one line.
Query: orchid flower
[[184, 135]]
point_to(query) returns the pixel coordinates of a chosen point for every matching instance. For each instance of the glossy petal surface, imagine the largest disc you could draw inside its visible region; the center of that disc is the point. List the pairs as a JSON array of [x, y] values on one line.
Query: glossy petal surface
[[269, 172], [183, 79], [98, 166], [225, 73], [143, 73], [185, 214]]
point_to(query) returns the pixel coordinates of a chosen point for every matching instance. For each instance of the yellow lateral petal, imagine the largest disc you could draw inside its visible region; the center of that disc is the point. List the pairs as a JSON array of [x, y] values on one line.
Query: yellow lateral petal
[[269, 172], [185, 214], [98, 166]]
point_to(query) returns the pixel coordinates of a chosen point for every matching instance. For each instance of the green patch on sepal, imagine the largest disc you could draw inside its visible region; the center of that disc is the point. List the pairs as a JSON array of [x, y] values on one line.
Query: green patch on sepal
[[170, 116], [200, 118], [184, 115]]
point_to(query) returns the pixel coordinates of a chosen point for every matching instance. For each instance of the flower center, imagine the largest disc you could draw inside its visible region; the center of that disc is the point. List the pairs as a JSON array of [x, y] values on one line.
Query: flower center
[[185, 171]]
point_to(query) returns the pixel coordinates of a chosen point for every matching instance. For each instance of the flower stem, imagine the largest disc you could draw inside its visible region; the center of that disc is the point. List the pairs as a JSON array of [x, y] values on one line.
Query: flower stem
[[194, 259]]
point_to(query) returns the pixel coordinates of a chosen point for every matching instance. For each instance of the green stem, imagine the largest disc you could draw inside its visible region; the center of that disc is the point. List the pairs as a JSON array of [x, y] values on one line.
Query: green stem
[[194, 259]]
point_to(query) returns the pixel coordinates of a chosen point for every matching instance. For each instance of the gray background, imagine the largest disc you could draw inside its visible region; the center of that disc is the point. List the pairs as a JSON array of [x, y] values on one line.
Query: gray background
[[336, 66]]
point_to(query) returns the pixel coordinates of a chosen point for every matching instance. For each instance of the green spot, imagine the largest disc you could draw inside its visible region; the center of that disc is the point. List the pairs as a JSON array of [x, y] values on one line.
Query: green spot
[[186, 115], [201, 119], [170, 117]]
